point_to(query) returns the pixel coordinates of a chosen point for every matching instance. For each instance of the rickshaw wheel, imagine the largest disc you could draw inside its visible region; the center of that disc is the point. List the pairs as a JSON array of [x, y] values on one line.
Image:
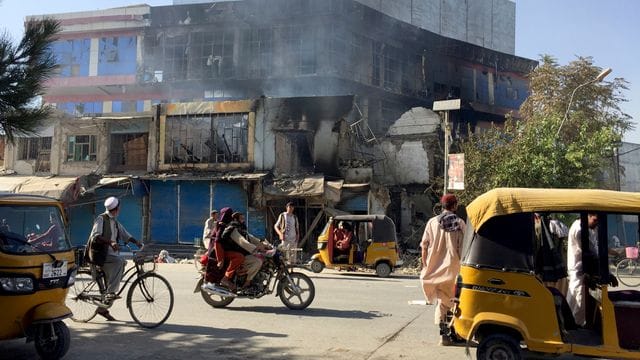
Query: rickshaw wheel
[[383, 270], [316, 266], [52, 345], [498, 347]]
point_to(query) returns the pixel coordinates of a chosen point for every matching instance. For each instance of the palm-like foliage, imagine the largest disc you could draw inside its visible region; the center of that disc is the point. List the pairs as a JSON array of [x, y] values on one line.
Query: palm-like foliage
[[23, 71]]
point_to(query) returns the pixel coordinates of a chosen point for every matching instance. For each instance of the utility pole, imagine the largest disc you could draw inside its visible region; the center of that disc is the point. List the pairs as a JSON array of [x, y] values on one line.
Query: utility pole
[[446, 106]]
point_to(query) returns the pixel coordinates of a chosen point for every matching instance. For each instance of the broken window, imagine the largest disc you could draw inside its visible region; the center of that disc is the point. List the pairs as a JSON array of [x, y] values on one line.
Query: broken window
[[294, 152], [512, 93], [301, 48], [72, 56], [117, 55], [215, 138], [129, 151], [81, 148], [30, 148], [258, 50]]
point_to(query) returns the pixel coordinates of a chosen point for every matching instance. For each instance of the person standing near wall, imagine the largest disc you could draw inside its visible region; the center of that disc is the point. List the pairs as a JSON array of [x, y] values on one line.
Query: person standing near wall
[[288, 228], [209, 224]]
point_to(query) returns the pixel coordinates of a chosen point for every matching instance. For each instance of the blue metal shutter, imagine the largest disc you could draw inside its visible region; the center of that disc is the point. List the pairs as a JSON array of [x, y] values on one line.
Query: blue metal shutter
[[358, 203], [80, 223], [164, 212], [229, 194], [194, 209]]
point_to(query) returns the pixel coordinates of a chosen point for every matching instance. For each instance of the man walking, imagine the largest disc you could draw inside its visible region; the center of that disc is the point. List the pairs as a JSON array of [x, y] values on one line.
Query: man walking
[[441, 243]]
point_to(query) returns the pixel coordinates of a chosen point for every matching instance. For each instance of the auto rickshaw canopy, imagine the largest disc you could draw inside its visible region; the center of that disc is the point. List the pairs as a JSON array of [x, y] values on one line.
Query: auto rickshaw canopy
[[384, 230], [504, 201]]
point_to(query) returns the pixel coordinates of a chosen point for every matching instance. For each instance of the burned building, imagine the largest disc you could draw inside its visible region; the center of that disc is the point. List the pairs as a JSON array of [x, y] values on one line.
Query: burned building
[[251, 103]]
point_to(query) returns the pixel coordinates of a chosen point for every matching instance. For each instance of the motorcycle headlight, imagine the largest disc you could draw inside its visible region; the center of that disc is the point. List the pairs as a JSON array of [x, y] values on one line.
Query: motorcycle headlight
[[16, 284], [72, 277]]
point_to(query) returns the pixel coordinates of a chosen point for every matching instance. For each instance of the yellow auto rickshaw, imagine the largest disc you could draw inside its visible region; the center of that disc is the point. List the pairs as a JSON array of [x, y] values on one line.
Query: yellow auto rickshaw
[[37, 266], [372, 244], [509, 294]]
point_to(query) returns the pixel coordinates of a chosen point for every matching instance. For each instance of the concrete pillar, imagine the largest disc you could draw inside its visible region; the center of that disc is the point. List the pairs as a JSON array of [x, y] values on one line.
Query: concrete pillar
[[94, 54]]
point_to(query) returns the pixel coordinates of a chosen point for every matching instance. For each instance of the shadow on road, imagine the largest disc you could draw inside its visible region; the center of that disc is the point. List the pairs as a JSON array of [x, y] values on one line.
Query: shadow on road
[[311, 312]]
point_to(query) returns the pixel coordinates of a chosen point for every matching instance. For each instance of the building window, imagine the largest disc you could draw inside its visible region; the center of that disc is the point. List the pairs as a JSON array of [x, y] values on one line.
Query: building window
[[302, 48], [30, 148], [129, 151], [258, 50], [512, 93], [72, 57], [82, 148], [216, 138]]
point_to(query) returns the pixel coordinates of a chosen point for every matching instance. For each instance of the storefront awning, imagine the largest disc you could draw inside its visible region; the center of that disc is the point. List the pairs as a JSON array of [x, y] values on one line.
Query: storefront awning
[[57, 187], [297, 187]]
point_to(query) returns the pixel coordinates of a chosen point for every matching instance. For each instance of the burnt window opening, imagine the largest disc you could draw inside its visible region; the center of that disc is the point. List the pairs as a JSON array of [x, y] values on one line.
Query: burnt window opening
[[82, 148], [512, 93], [31, 148], [207, 139], [129, 151], [301, 48], [294, 152], [258, 53]]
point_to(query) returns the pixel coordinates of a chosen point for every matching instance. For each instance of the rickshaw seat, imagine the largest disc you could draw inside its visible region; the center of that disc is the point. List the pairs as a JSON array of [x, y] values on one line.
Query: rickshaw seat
[[626, 305]]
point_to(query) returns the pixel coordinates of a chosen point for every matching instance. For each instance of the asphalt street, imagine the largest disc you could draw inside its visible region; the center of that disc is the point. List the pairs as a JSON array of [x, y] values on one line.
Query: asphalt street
[[353, 316]]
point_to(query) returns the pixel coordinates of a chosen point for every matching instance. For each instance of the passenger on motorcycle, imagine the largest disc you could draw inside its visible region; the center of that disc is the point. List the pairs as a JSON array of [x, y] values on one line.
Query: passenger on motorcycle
[[235, 238]]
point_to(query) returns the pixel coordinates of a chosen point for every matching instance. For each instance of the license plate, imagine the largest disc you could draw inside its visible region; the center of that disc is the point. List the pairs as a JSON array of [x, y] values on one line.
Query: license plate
[[49, 271]]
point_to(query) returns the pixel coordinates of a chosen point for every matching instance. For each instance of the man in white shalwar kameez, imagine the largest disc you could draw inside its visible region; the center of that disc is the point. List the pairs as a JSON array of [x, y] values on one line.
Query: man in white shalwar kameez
[[577, 289], [441, 243]]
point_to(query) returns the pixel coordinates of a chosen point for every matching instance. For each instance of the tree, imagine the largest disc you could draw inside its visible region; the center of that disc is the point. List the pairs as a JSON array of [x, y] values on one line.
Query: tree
[[23, 71], [526, 152]]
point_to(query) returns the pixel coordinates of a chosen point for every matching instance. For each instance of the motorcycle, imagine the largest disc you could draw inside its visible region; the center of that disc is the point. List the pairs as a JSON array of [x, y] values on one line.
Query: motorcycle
[[295, 289]]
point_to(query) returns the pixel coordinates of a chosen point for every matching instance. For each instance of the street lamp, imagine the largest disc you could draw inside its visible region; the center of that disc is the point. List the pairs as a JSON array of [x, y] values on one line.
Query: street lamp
[[598, 78]]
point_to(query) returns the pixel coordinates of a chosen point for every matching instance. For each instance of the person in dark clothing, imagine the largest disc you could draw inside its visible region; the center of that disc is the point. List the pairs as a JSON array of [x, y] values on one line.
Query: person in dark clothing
[[236, 239]]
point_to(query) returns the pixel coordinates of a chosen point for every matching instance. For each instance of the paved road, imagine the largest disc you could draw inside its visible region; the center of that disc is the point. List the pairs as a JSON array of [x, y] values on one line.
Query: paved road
[[354, 316]]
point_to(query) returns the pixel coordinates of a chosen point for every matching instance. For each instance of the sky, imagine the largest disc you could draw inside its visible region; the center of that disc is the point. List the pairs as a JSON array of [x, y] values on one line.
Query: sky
[[608, 31]]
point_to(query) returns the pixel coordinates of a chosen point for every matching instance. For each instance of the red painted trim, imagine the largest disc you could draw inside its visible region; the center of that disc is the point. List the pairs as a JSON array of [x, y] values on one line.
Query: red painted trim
[[91, 81], [96, 19], [72, 35], [104, 97]]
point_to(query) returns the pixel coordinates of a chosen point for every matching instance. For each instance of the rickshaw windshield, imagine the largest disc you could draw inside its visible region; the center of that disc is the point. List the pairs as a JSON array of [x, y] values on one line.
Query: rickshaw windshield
[[503, 242], [32, 229]]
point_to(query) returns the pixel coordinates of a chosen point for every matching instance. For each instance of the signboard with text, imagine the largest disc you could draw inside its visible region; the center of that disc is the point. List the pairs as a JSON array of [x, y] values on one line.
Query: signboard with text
[[456, 172]]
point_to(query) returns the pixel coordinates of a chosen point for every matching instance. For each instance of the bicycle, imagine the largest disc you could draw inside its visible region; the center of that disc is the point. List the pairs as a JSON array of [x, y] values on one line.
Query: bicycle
[[149, 299], [628, 270]]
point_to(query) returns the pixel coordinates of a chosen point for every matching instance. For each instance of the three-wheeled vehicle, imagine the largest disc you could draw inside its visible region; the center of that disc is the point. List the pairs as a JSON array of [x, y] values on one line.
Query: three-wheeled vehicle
[[37, 266], [506, 297], [373, 245]]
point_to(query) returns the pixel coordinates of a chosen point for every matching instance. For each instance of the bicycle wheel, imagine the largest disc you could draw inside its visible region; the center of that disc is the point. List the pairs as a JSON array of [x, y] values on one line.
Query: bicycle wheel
[[628, 272], [79, 297], [150, 300]]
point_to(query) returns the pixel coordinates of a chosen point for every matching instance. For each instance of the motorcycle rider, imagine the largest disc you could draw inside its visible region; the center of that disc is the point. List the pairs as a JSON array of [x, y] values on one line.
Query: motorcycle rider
[[236, 238]]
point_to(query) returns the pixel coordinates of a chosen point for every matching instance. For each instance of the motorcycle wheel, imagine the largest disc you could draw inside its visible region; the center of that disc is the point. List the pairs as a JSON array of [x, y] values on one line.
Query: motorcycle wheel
[[216, 301], [50, 345], [298, 293]]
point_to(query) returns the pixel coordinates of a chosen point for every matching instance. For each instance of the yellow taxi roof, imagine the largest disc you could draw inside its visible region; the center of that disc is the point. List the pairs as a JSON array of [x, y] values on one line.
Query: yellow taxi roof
[[503, 201]]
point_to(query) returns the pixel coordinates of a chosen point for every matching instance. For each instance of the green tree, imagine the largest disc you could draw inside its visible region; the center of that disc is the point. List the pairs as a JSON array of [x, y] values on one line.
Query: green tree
[[541, 150], [24, 68]]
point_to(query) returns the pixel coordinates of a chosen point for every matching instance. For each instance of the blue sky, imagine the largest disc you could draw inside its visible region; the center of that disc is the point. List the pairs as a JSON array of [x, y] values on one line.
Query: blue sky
[[608, 31]]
